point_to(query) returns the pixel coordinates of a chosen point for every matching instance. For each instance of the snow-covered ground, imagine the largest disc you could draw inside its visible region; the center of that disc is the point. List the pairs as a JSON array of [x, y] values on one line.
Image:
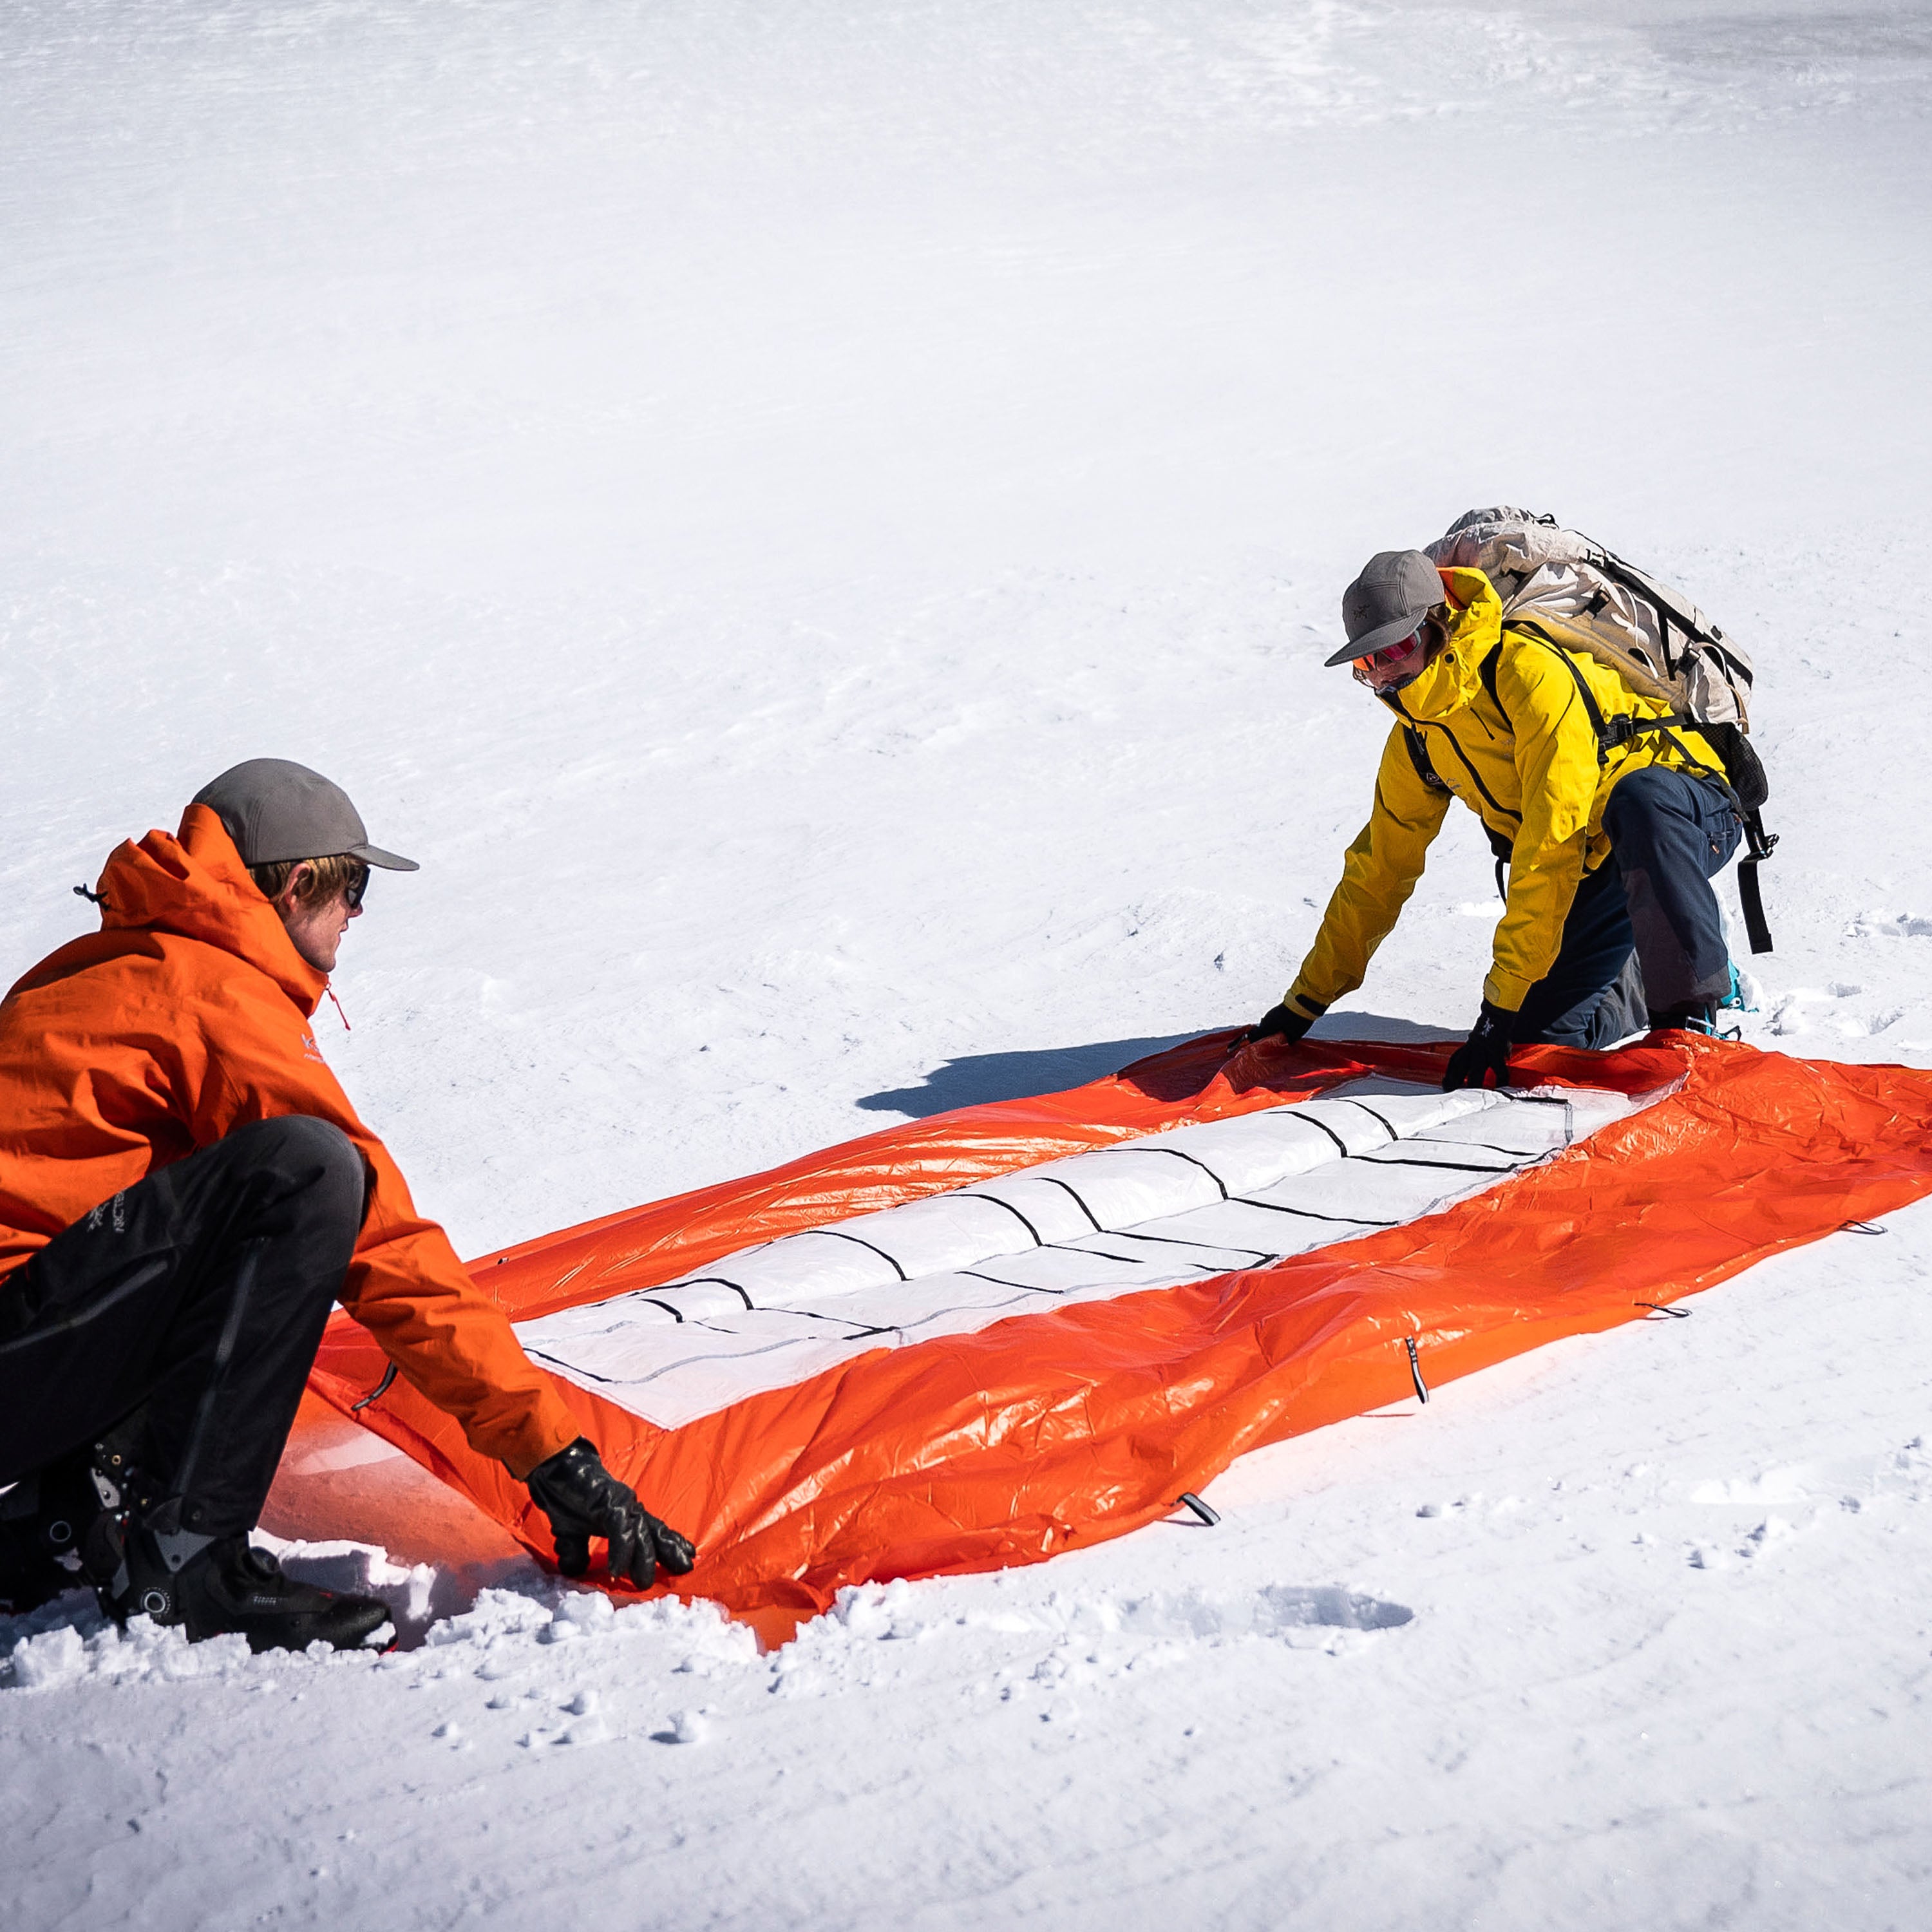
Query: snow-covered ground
[[815, 524]]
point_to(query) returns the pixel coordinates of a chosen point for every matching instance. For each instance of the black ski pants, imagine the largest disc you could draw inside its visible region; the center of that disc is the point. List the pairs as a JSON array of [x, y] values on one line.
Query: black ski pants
[[1644, 934], [194, 1302]]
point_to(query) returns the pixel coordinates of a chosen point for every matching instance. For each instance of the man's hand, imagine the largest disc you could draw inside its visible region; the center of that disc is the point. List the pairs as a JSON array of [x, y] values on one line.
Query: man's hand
[[1281, 1022], [1484, 1052], [583, 1499]]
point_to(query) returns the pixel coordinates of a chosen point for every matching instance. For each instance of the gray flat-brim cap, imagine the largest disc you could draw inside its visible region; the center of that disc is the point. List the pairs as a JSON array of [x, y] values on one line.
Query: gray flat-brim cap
[[276, 810], [1396, 590]]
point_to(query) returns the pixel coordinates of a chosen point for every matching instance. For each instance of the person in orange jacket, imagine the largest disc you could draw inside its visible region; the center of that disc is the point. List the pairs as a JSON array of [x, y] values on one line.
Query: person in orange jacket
[[184, 1191]]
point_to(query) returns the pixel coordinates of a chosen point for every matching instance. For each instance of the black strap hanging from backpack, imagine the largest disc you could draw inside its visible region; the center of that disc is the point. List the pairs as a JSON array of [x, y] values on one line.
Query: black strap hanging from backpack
[[1759, 843]]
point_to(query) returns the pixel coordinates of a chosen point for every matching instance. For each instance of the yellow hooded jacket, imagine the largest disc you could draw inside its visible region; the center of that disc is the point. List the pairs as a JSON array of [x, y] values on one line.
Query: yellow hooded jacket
[[1525, 761]]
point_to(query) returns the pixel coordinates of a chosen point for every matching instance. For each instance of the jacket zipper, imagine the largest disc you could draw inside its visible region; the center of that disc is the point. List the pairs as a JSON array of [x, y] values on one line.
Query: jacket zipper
[[1501, 811]]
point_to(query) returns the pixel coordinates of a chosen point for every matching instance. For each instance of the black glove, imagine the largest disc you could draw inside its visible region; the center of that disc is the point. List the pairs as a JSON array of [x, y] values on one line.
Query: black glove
[[583, 1499], [1484, 1052], [1281, 1022]]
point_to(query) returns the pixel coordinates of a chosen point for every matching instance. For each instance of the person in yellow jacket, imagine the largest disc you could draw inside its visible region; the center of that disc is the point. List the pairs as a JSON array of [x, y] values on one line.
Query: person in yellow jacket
[[1612, 833]]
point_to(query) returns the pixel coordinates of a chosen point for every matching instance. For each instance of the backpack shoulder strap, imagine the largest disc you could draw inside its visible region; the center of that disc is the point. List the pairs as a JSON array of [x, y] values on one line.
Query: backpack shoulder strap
[[1607, 734], [1486, 671]]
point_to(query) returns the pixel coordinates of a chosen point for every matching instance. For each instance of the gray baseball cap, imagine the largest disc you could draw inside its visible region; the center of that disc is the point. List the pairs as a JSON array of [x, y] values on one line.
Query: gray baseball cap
[[276, 810], [1396, 590]]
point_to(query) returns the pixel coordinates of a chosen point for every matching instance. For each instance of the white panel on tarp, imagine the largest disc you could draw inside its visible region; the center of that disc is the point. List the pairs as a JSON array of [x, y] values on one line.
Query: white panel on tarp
[[1185, 1205]]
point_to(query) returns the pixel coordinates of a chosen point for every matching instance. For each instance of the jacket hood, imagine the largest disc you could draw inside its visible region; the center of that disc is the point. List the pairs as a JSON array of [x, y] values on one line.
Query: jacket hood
[[1454, 677], [194, 885]]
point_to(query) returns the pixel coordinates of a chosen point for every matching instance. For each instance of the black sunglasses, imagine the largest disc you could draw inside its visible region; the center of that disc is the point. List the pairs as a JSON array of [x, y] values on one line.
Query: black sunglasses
[[356, 887]]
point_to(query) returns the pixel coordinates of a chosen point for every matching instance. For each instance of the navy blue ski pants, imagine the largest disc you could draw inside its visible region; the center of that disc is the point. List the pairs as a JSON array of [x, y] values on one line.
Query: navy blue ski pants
[[1644, 936]]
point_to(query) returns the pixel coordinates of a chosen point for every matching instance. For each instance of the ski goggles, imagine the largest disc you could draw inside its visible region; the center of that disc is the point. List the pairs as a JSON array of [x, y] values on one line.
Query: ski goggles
[[1394, 664]]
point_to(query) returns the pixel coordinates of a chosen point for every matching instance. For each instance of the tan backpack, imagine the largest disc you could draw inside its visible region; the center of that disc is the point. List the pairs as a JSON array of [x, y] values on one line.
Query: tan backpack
[[1574, 595]]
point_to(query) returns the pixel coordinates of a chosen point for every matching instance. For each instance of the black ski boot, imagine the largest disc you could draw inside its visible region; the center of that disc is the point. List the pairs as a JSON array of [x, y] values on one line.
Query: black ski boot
[[213, 1588], [61, 1527], [31, 1570], [1699, 1016]]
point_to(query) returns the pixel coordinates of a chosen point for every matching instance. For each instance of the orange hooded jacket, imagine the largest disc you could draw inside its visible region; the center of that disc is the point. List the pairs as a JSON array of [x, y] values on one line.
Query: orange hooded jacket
[[184, 1017]]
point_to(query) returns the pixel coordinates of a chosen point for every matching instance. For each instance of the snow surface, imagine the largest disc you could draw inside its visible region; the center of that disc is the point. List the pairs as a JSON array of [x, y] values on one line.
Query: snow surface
[[814, 524]]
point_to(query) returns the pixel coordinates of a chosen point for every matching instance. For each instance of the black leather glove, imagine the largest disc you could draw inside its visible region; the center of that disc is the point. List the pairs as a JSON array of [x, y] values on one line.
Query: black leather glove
[[1281, 1022], [1484, 1052], [583, 1499]]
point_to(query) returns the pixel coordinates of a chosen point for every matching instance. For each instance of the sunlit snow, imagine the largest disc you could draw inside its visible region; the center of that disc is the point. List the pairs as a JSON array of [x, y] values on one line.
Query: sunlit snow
[[819, 525]]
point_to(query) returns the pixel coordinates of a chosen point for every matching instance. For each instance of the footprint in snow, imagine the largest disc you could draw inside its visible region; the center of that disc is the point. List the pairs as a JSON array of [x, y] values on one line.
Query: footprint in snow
[[1889, 925], [1804, 1009]]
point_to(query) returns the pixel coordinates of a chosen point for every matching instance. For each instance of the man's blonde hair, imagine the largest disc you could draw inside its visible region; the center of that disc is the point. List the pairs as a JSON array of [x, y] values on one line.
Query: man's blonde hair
[[326, 877]]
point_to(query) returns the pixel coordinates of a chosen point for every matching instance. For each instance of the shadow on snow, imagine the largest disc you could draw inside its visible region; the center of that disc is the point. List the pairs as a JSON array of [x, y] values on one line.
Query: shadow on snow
[[978, 1077]]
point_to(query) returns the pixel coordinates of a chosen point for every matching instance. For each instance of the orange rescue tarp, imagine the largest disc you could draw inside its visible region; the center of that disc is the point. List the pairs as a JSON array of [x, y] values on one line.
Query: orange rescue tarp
[[974, 1451]]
